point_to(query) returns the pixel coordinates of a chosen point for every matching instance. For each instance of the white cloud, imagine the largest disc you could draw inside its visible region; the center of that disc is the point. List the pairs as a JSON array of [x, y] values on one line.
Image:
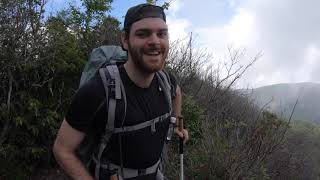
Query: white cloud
[[312, 57], [238, 33], [178, 28], [241, 29], [286, 32], [175, 6]]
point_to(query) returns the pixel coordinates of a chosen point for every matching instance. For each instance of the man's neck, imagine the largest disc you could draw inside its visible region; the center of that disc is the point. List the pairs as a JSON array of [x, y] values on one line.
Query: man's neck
[[141, 79]]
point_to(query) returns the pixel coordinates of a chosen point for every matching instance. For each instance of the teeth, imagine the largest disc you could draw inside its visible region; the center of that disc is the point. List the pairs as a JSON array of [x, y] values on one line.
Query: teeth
[[153, 53]]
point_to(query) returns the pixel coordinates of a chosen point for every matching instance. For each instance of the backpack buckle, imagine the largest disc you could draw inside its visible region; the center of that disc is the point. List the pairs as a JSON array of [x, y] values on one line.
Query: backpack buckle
[[112, 88], [141, 172], [153, 127]]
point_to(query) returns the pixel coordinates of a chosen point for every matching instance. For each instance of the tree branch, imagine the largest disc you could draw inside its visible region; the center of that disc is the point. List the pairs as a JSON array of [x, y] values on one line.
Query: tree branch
[[6, 128]]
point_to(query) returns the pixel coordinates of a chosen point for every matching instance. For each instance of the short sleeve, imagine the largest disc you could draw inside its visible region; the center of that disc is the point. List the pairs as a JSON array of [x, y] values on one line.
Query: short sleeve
[[85, 103]]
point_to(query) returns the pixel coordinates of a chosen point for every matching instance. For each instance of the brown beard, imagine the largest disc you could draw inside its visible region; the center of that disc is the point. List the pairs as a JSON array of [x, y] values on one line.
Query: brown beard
[[137, 58]]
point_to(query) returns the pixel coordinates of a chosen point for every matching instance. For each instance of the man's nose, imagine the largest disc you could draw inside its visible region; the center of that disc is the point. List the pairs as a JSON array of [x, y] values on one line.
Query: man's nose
[[154, 39]]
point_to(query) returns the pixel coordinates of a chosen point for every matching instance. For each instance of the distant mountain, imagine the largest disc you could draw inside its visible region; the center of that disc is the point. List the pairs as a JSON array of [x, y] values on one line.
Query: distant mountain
[[282, 97]]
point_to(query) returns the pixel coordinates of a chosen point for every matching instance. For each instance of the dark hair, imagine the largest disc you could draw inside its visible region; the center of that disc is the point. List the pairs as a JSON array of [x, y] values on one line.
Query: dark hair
[[139, 12]]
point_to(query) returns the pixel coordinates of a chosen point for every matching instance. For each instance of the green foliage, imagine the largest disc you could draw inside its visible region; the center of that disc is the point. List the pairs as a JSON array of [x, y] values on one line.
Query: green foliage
[[192, 120], [235, 140], [40, 65], [151, 1], [165, 5], [108, 32], [83, 21], [192, 114], [41, 62], [237, 137], [298, 157]]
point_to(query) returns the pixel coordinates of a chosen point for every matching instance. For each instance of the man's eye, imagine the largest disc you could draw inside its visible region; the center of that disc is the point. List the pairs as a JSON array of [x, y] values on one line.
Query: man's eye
[[142, 34], [162, 34]]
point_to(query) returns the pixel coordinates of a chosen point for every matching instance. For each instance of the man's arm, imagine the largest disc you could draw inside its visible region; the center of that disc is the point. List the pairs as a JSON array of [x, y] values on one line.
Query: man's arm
[[177, 102], [177, 106], [64, 148]]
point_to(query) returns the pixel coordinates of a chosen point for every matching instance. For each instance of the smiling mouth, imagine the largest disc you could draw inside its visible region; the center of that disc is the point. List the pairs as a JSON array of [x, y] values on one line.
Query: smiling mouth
[[153, 53]]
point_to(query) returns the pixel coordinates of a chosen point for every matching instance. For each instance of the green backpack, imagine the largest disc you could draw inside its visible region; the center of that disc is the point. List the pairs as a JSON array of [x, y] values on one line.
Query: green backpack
[[105, 60]]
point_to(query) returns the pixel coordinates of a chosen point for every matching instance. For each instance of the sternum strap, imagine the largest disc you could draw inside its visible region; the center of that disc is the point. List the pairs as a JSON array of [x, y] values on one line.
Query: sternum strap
[[151, 123]]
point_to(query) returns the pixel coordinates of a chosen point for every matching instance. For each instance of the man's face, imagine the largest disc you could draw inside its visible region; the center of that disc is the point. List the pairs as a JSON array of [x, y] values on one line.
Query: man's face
[[148, 44]]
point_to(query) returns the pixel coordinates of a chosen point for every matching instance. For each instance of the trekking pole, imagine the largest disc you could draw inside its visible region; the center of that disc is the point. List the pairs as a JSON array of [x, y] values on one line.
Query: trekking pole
[[181, 149]]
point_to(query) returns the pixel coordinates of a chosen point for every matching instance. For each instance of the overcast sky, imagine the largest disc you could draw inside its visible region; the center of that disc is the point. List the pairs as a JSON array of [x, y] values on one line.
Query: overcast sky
[[287, 32]]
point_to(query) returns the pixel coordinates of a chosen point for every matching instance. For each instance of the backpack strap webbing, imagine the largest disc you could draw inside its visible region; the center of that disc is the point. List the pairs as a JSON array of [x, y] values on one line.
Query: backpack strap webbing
[[114, 75], [136, 127], [113, 88], [131, 173]]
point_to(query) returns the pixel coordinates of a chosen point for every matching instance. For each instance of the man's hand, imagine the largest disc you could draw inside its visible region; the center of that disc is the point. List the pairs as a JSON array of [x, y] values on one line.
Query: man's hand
[[114, 177], [183, 133]]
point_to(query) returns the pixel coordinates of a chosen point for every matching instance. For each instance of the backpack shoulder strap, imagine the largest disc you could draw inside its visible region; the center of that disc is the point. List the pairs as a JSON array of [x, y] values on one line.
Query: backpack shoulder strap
[[114, 90], [165, 84]]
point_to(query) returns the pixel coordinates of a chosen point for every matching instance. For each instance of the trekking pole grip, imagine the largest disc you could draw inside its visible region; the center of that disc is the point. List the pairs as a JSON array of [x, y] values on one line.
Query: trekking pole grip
[[181, 126]]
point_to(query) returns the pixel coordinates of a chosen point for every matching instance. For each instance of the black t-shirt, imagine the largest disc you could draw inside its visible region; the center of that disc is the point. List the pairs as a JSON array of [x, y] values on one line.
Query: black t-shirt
[[140, 149]]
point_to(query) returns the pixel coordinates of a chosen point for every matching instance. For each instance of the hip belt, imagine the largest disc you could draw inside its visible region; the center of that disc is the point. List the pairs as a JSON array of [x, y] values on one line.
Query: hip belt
[[128, 172]]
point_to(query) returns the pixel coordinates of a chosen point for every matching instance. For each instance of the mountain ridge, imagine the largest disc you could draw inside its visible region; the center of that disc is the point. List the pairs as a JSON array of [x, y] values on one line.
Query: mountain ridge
[[280, 98]]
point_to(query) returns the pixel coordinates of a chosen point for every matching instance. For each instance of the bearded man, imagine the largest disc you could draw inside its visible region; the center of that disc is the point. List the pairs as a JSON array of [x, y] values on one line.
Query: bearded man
[[134, 153]]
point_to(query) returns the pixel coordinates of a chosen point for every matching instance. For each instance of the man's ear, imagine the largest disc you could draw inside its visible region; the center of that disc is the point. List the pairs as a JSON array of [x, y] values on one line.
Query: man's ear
[[124, 41]]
